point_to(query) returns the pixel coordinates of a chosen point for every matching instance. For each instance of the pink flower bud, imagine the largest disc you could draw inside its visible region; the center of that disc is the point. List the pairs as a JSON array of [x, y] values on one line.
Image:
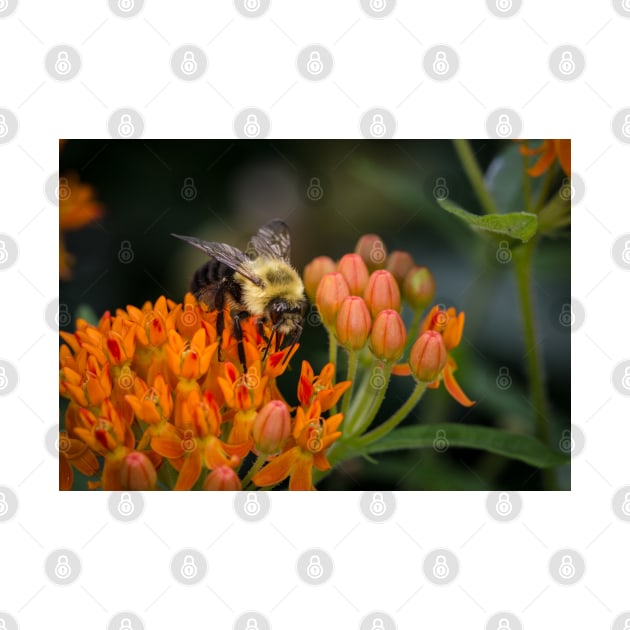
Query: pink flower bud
[[272, 427], [354, 270], [331, 292], [314, 272], [223, 478], [388, 336], [372, 249], [399, 264], [137, 472], [418, 287], [353, 323], [382, 292], [428, 356]]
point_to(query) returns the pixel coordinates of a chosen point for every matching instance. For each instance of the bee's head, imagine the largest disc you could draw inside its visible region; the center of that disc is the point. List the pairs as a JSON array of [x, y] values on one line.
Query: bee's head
[[284, 314]]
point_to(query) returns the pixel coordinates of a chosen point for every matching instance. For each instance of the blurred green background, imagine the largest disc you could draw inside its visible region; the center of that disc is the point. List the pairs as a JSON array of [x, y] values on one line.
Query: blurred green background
[[330, 193]]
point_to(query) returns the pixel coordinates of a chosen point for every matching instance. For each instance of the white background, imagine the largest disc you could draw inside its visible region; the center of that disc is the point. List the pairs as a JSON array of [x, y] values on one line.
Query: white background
[[251, 62]]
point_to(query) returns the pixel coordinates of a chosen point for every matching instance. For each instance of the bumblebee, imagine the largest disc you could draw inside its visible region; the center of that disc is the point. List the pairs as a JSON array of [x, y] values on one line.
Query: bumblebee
[[262, 283]]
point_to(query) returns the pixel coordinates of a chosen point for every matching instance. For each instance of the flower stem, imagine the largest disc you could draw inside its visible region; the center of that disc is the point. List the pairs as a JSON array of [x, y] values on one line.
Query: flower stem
[[523, 267], [546, 187], [527, 185], [353, 359], [473, 170], [332, 347], [391, 423], [371, 402], [256, 466]]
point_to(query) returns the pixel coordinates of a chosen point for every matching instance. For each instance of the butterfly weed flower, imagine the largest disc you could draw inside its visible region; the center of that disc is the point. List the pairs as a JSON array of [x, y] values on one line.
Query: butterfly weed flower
[[152, 406]]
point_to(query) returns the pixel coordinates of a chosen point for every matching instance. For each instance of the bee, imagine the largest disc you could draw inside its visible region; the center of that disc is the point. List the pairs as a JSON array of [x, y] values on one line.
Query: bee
[[263, 284]]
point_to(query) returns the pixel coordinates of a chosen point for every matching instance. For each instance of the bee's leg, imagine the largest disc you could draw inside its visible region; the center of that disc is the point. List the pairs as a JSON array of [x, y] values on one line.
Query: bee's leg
[[238, 335], [261, 330], [296, 336], [219, 303]]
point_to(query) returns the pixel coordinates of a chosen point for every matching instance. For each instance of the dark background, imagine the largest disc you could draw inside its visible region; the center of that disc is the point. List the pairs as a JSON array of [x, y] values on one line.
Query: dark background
[[383, 187]]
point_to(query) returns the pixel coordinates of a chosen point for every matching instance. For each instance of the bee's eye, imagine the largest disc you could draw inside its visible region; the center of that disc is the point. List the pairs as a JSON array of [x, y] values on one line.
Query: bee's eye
[[274, 314]]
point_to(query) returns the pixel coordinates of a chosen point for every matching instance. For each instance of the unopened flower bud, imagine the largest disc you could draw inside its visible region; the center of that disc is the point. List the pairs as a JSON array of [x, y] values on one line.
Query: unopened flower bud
[[388, 336], [399, 264], [331, 292], [372, 249], [355, 271], [272, 427], [353, 323], [314, 272], [382, 292], [418, 287], [223, 478], [428, 356], [137, 472]]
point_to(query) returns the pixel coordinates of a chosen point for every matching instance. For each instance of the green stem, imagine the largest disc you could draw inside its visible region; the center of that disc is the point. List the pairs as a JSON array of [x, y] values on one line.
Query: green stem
[[257, 465], [372, 401], [523, 267], [332, 347], [475, 175], [391, 423], [353, 359]]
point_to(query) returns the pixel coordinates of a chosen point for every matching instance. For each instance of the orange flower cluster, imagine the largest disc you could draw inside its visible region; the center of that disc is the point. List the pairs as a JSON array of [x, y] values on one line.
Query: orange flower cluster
[[151, 406]]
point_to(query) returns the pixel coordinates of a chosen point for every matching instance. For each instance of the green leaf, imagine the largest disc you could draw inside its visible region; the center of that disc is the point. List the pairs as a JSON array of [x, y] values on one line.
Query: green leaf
[[520, 225], [512, 445]]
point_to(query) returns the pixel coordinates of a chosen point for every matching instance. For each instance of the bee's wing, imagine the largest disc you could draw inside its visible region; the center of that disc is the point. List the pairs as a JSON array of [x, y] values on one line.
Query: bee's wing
[[230, 256], [273, 240]]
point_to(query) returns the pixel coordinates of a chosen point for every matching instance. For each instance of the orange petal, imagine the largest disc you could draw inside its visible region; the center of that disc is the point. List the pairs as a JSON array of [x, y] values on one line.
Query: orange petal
[[168, 446], [402, 369], [563, 151], [454, 389], [189, 472], [544, 161], [328, 398], [302, 476], [277, 469]]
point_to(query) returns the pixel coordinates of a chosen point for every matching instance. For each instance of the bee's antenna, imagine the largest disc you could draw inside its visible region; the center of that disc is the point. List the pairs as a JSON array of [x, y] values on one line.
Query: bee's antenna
[[273, 332]]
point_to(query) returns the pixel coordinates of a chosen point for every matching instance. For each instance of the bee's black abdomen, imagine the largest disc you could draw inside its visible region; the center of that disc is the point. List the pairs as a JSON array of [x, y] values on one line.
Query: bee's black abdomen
[[211, 278]]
